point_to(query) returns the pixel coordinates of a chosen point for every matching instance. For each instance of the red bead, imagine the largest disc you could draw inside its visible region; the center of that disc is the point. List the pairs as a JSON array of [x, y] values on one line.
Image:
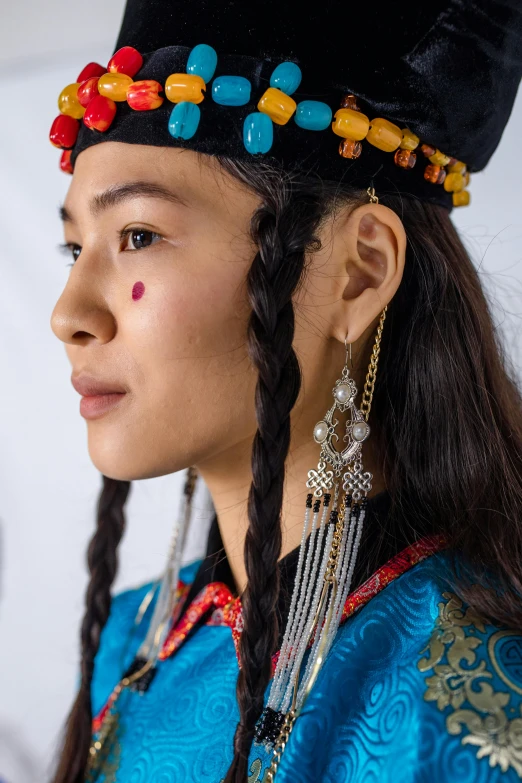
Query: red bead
[[350, 149], [350, 102], [406, 159], [87, 91], [92, 69], [143, 95], [427, 150], [126, 60], [100, 113], [65, 162], [435, 174], [64, 131]]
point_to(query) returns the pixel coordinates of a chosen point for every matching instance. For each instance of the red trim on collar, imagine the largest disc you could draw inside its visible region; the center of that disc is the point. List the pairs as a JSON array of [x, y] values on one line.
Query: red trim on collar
[[227, 610]]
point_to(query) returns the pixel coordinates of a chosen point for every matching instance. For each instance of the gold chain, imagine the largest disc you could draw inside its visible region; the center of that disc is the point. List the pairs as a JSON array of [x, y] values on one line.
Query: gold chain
[[369, 384]]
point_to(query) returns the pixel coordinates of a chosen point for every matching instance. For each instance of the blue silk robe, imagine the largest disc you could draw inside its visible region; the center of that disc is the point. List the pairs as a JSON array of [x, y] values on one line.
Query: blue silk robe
[[416, 689]]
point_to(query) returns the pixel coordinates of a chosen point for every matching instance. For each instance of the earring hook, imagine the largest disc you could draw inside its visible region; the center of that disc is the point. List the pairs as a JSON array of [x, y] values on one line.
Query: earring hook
[[348, 351]]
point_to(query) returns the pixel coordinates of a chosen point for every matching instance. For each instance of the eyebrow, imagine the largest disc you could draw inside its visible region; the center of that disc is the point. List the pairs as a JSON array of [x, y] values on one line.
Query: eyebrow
[[117, 194]]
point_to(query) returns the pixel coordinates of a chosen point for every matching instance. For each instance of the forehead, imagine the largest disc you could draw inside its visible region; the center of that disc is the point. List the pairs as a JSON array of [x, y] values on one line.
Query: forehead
[[196, 179]]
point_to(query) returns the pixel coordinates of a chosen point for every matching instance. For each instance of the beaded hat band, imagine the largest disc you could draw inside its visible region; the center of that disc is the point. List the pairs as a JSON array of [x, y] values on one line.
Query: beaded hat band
[[93, 100]]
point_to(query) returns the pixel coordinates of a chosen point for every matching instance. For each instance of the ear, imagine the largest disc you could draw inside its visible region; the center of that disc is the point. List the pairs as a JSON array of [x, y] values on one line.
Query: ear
[[369, 250]]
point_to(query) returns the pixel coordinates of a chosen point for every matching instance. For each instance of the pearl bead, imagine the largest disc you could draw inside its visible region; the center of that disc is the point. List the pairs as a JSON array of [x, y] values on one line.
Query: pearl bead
[[320, 431], [343, 393], [360, 431]]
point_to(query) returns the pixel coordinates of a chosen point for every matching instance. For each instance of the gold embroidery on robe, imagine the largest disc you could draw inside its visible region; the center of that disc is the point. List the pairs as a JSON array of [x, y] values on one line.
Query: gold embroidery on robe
[[453, 642]]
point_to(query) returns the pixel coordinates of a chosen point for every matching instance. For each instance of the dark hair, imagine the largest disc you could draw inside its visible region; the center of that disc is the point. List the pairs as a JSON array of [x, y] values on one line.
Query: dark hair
[[442, 381]]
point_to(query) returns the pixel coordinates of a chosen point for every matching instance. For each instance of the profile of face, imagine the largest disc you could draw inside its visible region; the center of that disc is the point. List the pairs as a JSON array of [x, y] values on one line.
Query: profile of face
[[156, 305]]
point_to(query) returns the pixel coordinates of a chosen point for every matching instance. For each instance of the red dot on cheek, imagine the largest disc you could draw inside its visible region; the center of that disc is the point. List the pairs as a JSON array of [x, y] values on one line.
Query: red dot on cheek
[[138, 289]]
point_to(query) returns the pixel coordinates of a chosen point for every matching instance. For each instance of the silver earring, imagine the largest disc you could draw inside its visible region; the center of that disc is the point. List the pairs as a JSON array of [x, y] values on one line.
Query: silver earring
[[327, 556], [163, 609]]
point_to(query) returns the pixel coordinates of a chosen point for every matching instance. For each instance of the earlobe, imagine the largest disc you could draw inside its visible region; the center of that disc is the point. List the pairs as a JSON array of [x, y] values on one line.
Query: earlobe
[[373, 265]]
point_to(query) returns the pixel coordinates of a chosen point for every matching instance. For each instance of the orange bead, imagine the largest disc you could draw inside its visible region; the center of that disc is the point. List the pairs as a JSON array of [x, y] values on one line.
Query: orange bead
[[384, 135], [350, 124], [126, 60], [181, 87], [434, 174], [68, 102], [114, 86], [409, 140], [406, 159], [457, 168], [439, 159], [428, 150], [454, 182], [100, 113], [143, 95], [278, 105], [350, 102], [65, 162], [461, 199], [350, 149]]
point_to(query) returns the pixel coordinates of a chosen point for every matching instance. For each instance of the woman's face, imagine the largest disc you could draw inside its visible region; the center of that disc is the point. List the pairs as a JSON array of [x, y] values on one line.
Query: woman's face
[[156, 304]]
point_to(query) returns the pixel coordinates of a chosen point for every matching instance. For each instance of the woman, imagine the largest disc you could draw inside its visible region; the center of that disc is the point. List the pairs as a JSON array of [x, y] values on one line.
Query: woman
[[250, 294]]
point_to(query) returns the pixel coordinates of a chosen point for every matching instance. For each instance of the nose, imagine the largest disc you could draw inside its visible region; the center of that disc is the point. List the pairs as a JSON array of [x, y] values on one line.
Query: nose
[[81, 315]]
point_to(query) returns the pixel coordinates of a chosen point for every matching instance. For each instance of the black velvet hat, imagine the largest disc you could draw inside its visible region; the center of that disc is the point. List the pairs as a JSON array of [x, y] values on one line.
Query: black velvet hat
[[433, 83]]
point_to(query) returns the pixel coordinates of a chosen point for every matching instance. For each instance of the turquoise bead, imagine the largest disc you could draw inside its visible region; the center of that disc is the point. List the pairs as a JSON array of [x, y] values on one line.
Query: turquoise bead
[[313, 115], [202, 61], [231, 90], [286, 77], [184, 120], [258, 132]]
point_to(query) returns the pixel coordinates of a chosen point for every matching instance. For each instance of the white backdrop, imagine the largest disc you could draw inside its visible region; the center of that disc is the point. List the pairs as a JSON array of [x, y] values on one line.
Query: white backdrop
[[48, 486]]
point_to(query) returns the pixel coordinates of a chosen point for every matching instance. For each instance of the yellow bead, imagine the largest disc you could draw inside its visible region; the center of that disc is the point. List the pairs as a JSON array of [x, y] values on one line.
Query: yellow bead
[[409, 140], [466, 178], [454, 182], [181, 87], [350, 124], [278, 105], [457, 168], [461, 199], [68, 102], [114, 86], [439, 159], [384, 135]]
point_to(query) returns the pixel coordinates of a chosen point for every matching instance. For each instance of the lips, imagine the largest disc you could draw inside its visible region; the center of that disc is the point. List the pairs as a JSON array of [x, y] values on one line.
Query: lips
[[91, 386]]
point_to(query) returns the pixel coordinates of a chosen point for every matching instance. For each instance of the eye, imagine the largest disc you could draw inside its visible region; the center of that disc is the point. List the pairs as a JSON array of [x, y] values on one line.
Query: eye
[[71, 249], [138, 238]]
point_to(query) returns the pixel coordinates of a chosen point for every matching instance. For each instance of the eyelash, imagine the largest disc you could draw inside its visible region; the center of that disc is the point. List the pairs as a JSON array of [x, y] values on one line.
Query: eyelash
[[69, 247]]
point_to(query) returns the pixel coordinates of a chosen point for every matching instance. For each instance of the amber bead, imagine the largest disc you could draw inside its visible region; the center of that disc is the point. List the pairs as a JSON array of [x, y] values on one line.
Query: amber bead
[[181, 87], [100, 113], [466, 178], [461, 199], [143, 95], [114, 86], [64, 131], [68, 102], [452, 161], [435, 174], [349, 148], [409, 140], [406, 159], [384, 135], [427, 150], [65, 162], [126, 60], [439, 159], [90, 70], [454, 182], [457, 168], [350, 102], [88, 90], [350, 124], [278, 105]]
